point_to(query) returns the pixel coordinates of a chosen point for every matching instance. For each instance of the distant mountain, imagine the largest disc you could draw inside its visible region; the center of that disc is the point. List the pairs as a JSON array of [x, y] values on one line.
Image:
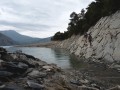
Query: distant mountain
[[43, 40], [22, 39], [5, 41]]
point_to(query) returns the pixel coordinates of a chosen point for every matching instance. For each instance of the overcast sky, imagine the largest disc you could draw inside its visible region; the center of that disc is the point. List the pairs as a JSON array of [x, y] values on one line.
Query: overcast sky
[[38, 18]]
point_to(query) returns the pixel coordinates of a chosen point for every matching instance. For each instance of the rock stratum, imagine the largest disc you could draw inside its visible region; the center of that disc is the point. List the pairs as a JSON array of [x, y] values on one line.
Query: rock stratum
[[105, 40]]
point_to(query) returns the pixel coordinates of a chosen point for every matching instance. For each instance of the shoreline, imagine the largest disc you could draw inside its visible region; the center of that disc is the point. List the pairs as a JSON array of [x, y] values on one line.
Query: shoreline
[[49, 76], [48, 44]]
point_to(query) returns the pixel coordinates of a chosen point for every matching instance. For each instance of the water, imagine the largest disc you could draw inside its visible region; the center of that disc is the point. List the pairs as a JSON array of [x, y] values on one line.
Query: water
[[60, 57], [65, 60]]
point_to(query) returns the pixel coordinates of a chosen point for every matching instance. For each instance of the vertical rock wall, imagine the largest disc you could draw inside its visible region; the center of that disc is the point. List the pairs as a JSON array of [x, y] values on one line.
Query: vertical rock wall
[[105, 40]]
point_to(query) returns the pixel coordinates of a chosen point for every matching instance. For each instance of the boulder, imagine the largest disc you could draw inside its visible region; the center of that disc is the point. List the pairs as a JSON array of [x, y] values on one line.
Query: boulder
[[11, 86], [1, 61], [2, 87], [22, 65], [75, 82], [35, 86], [116, 66], [2, 50], [37, 74], [48, 68], [14, 67], [85, 81], [5, 74]]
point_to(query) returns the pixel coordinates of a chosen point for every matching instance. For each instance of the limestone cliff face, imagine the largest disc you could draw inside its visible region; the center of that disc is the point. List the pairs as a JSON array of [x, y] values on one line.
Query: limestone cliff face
[[105, 40]]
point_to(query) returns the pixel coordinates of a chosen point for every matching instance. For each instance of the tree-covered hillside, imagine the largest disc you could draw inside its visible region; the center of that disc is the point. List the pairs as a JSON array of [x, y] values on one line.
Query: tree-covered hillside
[[81, 22]]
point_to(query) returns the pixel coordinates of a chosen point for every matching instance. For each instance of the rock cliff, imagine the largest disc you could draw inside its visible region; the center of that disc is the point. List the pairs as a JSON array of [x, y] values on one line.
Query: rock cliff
[[105, 40]]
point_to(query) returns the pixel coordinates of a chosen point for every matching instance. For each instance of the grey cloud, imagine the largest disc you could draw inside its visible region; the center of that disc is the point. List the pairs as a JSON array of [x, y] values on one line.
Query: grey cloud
[[25, 25], [39, 15]]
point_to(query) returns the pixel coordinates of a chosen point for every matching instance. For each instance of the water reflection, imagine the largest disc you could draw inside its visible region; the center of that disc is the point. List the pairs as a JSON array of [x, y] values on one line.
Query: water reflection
[[60, 57], [76, 62]]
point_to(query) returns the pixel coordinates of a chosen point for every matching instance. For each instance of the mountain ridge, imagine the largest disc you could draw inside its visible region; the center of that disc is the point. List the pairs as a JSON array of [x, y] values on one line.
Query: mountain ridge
[[4, 40], [23, 39]]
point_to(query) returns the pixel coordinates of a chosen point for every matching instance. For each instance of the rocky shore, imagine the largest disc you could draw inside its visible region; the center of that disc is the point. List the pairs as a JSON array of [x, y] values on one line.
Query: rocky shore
[[19, 71], [105, 44]]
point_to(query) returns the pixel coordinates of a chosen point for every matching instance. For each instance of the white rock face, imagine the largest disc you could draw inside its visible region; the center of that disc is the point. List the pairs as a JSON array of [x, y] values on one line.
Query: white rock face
[[105, 40]]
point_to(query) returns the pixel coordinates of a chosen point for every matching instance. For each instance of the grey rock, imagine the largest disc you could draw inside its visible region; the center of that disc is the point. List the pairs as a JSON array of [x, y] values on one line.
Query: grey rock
[[95, 86], [37, 74], [34, 85], [76, 82], [11, 86], [22, 65], [2, 86], [47, 68], [115, 88], [84, 81], [5, 74], [115, 66], [87, 88], [15, 67], [28, 71], [2, 50]]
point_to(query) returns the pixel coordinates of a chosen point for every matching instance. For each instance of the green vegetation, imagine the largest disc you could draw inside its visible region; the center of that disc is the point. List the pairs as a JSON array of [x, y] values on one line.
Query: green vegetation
[[81, 22]]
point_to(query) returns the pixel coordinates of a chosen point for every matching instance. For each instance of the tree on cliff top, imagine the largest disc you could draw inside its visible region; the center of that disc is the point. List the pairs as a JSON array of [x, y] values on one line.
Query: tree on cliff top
[[81, 22]]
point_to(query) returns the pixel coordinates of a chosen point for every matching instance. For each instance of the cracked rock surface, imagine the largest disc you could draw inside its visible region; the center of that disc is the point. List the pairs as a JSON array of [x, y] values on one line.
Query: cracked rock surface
[[105, 40]]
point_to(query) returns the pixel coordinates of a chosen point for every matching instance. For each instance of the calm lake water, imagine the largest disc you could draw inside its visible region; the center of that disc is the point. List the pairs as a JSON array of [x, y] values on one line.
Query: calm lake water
[[65, 60], [60, 57]]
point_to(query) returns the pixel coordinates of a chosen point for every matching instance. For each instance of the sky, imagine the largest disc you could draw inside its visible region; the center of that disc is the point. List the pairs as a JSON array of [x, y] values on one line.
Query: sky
[[38, 18]]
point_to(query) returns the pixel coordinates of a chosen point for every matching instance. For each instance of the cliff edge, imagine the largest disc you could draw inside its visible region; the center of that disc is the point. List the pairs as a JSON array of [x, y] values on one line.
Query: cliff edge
[[105, 44]]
